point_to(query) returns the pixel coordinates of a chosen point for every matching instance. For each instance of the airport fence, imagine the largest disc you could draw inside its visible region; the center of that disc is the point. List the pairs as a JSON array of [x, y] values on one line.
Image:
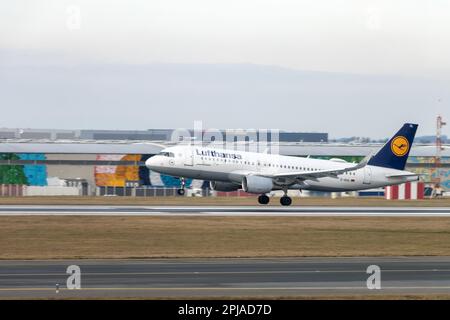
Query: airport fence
[[11, 190], [18, 190], [147, 192]]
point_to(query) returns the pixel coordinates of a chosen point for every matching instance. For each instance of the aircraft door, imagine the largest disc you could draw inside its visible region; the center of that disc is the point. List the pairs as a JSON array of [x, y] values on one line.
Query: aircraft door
[[367, 175], [189, 157]]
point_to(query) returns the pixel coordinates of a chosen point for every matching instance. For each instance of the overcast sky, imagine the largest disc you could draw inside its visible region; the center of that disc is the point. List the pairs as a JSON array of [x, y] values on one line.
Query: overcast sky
[[336, 66]]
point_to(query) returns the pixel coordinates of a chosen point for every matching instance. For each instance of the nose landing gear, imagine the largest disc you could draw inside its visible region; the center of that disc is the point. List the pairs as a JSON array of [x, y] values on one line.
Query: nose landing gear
[[182, 190]]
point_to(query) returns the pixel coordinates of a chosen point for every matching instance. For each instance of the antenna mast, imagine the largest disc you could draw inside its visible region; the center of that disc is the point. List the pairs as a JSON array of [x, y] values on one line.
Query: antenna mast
[[437, 161]]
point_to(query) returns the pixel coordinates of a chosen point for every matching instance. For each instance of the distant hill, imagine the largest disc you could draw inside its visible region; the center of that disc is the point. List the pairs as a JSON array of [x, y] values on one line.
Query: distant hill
[[431, 139], [421, 139], [44, 91]]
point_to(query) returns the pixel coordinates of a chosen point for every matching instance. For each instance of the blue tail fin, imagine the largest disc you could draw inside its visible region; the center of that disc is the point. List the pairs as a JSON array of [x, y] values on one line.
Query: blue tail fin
[[395, 153]]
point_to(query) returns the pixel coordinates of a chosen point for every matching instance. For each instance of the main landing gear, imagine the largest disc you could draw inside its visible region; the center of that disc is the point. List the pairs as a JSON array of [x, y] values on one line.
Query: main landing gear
[[285, 200], [182, 190], [263, 199]]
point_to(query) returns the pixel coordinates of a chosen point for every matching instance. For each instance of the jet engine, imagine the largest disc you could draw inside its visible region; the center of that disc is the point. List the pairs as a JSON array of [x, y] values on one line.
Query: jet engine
[[256, 184], [223, 186]]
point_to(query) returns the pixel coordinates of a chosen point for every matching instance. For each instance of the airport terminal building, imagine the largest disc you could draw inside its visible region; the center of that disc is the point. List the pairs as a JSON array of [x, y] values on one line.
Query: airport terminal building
[[106, 161]]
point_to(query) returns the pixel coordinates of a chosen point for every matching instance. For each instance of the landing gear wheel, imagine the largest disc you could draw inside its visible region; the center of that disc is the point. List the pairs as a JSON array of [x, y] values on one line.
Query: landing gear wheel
[[182, 191], [263, 199], [285, 201]]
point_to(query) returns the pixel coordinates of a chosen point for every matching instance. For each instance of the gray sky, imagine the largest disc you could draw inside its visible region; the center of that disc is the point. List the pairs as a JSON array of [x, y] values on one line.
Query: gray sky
[[350, 67]]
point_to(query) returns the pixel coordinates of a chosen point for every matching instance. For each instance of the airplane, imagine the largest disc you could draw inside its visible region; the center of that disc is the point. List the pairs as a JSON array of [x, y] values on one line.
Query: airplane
[[260, 173]]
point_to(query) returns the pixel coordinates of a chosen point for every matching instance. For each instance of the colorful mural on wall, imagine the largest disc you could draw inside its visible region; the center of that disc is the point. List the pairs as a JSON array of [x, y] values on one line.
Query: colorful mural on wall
[[13, 174], [32, 175], [116, 176], [36, 174], [432, 175]]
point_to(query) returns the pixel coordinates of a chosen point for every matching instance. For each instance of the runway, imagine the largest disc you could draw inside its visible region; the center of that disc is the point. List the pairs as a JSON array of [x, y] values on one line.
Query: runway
[[202, 278], [99, 210]]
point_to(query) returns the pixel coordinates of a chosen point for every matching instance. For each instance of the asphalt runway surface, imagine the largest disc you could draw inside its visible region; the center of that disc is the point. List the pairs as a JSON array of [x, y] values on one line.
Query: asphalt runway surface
[[201, 278], [99, 210]]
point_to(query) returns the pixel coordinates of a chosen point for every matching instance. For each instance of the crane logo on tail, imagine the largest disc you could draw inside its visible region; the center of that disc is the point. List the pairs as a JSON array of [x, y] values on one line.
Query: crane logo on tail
[[400, 146]]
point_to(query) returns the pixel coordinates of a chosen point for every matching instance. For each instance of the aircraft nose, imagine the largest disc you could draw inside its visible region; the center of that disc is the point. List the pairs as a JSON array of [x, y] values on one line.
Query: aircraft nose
[[151, 162]]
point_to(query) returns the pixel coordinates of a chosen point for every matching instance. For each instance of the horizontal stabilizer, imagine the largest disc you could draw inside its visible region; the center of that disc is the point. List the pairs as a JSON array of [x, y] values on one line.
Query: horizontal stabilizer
[[401, 175]]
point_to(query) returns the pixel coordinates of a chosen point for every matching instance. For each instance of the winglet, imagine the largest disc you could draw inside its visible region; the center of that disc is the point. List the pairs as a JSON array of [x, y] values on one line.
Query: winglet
[[366, 159]]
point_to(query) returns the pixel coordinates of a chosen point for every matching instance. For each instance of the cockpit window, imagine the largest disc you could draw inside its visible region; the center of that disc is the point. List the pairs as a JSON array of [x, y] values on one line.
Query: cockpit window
[[167, 154]]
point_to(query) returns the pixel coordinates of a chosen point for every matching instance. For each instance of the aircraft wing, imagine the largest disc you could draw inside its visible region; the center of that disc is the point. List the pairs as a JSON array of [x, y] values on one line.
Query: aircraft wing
[[314, 175]]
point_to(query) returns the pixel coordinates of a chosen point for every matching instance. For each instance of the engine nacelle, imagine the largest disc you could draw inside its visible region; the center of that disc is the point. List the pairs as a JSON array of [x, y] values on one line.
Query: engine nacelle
[[256, 184], [223, 186]]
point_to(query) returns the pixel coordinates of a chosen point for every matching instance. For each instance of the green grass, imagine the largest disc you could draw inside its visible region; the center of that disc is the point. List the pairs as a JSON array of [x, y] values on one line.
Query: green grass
[[74, 237], [221, 201]]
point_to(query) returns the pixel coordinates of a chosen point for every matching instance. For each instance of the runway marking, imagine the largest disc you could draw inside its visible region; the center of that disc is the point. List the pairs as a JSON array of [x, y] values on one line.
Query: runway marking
[[220, 211], [216, 272], [226, 288], [430, 274], [229, 214]]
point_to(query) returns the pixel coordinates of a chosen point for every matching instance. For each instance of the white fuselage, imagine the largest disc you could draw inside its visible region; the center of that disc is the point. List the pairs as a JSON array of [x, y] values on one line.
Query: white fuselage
[[230, 166]]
